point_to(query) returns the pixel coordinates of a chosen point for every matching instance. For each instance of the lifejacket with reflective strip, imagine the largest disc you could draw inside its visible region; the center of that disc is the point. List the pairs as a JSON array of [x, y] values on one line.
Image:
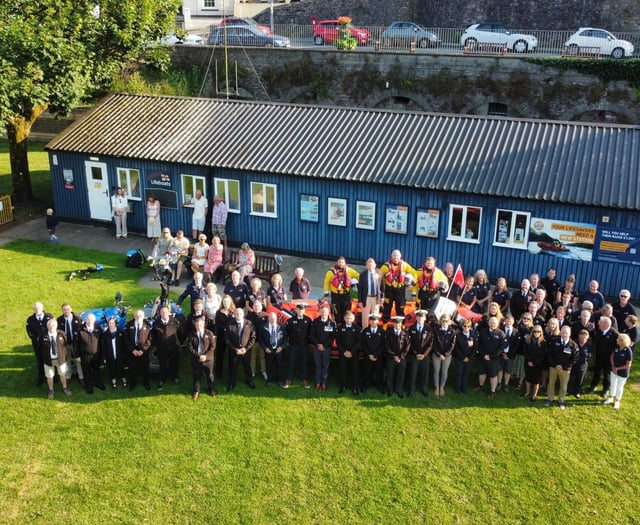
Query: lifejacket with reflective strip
[[340, 279], [394, 275]]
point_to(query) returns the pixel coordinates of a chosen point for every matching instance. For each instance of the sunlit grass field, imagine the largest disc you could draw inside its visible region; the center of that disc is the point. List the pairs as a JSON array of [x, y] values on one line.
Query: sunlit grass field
[[284, 456], [273, 455]]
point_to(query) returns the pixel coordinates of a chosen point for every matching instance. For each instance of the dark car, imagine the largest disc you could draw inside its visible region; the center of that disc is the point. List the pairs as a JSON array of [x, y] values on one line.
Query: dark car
[[403, 34], [249, 22], [245, 36]]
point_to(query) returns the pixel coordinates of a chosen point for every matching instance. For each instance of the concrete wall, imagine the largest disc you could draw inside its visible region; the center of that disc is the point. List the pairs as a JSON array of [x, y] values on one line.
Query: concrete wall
[[615, 15], [424, 82]]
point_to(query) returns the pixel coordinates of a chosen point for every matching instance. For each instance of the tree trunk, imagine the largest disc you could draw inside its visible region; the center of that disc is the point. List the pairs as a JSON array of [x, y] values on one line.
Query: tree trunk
[[18, 130]]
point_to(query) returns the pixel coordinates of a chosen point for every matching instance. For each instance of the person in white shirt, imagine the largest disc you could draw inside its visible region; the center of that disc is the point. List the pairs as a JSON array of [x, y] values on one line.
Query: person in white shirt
[[119, 210], [200, 208]]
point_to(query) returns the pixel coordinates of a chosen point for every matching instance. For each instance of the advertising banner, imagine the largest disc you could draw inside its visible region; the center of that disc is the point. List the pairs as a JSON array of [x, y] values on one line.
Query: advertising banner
[[571, 240], [617, 245]]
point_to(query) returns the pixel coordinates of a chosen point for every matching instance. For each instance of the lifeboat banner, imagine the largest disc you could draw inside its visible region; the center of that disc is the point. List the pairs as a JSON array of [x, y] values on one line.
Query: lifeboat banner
[[617, 245], [571, 240]]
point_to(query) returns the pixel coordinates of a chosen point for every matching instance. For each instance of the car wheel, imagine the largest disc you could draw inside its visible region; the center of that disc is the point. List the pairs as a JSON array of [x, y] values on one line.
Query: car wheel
[[618, 52], [520, 46], [471, 43], [268, 44], [318, 40], [423, 43]]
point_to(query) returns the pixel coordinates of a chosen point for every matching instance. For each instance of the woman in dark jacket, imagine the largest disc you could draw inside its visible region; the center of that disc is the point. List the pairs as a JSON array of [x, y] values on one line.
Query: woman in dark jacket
[[114, 353], [535, 355]]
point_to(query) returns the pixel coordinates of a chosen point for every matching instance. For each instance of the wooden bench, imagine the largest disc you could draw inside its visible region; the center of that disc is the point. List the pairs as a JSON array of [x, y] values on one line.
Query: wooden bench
[[265, 265]]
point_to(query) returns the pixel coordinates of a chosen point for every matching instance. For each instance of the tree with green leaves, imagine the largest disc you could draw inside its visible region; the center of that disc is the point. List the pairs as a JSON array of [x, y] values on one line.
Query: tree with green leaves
[[54, 54]]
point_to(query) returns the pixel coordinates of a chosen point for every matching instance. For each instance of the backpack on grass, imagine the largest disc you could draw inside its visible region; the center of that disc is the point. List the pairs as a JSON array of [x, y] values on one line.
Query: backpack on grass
[[135, 258]]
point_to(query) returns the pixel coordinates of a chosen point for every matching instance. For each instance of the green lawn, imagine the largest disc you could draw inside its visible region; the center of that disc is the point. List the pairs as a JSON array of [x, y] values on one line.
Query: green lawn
[[271, 455]]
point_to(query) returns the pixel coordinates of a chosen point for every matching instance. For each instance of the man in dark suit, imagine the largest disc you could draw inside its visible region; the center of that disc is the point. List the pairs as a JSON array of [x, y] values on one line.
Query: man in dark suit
[[397, 346], [373, 340], [419, 359], [240, 336], [36, 327], [165, 337], [271, 337], [201, 344], [297, 329], [71, 324], [89, 348], [137, 338], [604, 343], [491, 344], [194, 290], [369, 291], [520, 300], [348, 343]]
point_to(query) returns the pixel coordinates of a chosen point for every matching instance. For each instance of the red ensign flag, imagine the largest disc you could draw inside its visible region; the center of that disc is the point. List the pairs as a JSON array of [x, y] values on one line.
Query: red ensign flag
[[458, 277]]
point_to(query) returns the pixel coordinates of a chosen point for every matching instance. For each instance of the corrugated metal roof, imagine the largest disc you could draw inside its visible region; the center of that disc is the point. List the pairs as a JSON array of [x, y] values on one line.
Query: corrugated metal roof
[[579, 163]]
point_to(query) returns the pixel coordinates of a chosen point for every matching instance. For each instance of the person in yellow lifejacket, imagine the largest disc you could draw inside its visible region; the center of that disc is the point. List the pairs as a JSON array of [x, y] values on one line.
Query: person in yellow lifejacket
[[397, 275], [338, 282]]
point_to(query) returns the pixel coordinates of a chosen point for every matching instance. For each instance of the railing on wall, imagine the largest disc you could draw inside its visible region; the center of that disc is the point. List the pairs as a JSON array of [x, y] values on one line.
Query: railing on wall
[[549, 42]]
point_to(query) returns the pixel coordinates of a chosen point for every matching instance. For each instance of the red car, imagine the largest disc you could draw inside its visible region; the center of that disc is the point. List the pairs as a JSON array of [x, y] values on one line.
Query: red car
[[237, 21], [326, 32]]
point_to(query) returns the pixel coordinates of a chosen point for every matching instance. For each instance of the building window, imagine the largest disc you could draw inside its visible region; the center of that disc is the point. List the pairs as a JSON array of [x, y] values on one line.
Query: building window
[[209, 4], [464, 223], [191, 183], [263, 199], [229, 192], [512, 229], [129, 181]]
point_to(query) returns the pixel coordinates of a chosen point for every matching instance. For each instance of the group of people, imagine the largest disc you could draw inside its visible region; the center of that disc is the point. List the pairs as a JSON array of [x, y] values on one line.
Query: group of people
[[542, 336]]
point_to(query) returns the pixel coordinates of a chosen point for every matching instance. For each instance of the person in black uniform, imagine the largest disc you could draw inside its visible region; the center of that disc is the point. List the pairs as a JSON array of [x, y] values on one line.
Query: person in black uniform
[[297, 329], [71, 324], [463, 353], [113, 351], [89, 348], [237, 290], [201, 345], [604, 343], [194, 290], [137, 339], [224, 316], [373, 341], [562, 355], [241, 336], [579, 369], [348, 343], [491, 344], [418, 359], [444, 341], [272, 338], [520, 300], [397, 347], [164, 336], [36, 327], [511, 350], [321, 335], [535, 354]]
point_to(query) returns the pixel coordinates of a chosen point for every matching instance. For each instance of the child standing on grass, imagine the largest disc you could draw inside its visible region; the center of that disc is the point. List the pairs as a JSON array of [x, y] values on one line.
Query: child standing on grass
[[52, 223]]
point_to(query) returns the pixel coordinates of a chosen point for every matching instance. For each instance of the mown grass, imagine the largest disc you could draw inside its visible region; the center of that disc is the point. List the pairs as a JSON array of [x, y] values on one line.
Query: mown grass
[[271, 455]]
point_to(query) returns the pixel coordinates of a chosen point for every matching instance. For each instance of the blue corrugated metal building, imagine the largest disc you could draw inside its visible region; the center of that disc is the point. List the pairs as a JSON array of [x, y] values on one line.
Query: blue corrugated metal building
[[512, 196]]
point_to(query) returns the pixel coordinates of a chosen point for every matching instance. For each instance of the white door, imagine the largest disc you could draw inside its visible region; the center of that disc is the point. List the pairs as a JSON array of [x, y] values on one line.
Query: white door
[[98, 190]]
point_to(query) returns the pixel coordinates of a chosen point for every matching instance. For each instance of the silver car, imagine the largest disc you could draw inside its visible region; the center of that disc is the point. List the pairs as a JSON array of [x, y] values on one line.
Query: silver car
[[402, 34]]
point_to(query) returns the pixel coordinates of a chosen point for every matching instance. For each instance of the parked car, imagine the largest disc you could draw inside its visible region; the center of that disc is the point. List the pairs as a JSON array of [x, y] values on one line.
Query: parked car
[[245, 36], [592, 37], [402, 34], [250, 22], [187, 40], [489, 33], [326, 32]]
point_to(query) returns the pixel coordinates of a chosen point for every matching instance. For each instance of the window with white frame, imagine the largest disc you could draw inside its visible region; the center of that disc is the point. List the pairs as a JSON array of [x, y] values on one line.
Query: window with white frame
[[129, 181], [512, 229], [209, 4], [263, 199], [464, 223], [191, 183], [229, 191]]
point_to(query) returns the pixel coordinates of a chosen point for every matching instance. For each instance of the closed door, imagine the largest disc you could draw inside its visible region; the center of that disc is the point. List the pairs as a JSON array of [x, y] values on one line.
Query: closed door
[[98, 190]]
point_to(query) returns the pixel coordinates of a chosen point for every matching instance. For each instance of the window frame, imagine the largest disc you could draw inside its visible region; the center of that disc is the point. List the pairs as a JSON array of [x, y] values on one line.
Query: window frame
[[266, 188], [196, 179], [512, 229], [461, 237], [226, 194], [127, 187]]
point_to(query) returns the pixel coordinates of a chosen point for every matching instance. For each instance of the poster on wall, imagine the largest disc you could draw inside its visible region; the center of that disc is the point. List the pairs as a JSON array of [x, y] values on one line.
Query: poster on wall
[[396, 219], [617, 245], [366, 215], [427, 223], [159, 180], [67, 175], [337, 211], [570, 240], [309, 208]]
